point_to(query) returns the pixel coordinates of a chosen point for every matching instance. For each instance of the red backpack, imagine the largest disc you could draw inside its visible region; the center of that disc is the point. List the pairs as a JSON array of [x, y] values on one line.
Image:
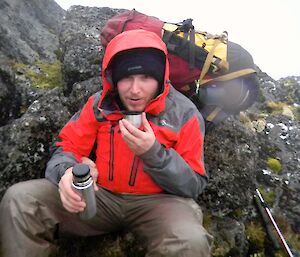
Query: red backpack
[[216, 74]]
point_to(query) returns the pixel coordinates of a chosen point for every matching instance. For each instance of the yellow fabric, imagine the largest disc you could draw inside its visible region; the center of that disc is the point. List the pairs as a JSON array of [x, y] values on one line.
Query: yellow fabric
[[208, 60], [220, 50], [170, 27], [213, 114], [216, 47], [206, 41], [228, 76]]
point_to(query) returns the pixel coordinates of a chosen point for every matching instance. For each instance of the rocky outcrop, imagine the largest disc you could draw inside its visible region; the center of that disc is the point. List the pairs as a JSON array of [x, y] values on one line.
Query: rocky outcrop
[[8, 107], [29, 34], [80, 41], [258, 149], [29, 29]]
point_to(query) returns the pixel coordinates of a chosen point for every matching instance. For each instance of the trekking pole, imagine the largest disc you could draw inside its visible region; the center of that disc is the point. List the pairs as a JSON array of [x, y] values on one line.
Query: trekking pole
[[260, 200], [267, 224]]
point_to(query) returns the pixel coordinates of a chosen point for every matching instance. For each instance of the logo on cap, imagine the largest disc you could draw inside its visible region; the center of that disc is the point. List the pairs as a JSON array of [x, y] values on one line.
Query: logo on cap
[[139, 67]]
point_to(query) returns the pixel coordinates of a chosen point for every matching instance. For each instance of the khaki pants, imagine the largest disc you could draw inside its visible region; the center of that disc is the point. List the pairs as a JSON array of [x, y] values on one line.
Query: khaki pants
[[31, 213]]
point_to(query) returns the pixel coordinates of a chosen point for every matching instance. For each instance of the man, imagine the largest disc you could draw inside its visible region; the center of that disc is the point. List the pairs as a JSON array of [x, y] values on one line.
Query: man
[[146, 177]]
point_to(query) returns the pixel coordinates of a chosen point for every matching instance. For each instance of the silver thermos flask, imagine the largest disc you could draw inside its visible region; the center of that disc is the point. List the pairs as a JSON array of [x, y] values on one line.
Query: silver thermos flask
[[83, 183]]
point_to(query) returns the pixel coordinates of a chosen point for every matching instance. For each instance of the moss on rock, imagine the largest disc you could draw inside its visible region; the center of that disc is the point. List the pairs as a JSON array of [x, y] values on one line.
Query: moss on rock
[[256, 235], [274, 165], [269, 196], [42, 75]]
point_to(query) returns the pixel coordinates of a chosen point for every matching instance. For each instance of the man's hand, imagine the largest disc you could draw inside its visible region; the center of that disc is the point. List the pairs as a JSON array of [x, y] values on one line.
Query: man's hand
[[70, 199], [137, 140]]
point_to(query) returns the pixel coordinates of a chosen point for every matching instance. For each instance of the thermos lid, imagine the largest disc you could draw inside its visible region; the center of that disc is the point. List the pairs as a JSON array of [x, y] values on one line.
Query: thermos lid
[[81, 170]]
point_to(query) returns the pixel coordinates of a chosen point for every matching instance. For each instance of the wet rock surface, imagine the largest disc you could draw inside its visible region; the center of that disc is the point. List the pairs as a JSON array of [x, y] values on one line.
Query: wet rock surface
[[237, 152], [29, 29]]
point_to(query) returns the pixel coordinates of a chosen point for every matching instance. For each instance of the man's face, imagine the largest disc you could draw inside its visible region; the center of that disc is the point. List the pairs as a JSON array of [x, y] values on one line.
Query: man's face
[[136, 91]]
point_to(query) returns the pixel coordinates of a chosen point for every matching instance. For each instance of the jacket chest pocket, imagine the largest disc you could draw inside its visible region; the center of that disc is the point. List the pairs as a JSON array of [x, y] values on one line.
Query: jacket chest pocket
[[106, 150], [113, 155], [133, 171]]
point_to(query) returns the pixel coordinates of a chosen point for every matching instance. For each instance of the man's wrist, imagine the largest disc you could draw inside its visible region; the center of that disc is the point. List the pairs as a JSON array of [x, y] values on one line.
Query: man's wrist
[[63, 168], [154, 154]]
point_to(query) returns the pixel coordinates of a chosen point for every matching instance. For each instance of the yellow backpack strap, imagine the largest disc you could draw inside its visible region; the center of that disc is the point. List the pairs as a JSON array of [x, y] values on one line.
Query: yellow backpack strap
[[170, 27], [208, 60], [213, 114], [229, 76]]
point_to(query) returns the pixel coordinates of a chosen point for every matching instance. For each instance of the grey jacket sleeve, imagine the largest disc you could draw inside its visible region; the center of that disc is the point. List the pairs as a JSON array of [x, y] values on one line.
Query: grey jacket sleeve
[[58, 164], [169, 170], [60, 161]]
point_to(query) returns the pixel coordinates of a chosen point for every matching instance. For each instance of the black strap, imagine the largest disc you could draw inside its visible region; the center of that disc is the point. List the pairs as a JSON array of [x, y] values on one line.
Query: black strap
[[185, 26], [188, 30], [185, 49], [192, 49]]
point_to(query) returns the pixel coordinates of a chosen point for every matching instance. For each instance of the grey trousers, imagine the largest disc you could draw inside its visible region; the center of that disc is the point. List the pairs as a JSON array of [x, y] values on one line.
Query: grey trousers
[[31, 212]]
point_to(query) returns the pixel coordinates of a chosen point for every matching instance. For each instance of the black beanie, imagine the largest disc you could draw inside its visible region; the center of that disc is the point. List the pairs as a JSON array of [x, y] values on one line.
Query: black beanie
[[149, 61]]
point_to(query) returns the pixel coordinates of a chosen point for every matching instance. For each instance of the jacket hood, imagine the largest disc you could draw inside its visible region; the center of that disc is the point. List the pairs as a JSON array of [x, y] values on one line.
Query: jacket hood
[[122, 42]]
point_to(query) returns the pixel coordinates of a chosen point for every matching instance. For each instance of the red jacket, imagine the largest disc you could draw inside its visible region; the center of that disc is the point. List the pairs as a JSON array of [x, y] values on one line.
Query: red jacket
[[173, 164]]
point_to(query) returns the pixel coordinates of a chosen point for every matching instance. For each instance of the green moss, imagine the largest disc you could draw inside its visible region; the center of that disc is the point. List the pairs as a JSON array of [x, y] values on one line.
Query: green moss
[[296, 111], [21, 67], [269, 196], [256, 235], [284, 108], [280, 253], [237, 213], [261, 97], [207, 218], [291, 86], [294, 240], [274, 165], [275, 106], [273, 149], [219, 250], [42, 75], [290, 236], [58, 54]]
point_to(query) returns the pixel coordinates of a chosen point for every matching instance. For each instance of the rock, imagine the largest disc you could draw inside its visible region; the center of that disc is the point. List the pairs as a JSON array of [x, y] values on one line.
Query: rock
[[9, 97], [26, 141], [231, 152], [82, 51], [81, 92], [236, 152], [29, 29]]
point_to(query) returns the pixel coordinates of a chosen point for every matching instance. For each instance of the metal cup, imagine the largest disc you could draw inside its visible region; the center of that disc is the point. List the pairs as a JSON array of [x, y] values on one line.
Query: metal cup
[[135, 118]]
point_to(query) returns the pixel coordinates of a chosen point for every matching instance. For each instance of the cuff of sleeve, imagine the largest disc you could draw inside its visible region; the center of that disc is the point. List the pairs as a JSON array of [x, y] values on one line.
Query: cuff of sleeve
[[62, 169]]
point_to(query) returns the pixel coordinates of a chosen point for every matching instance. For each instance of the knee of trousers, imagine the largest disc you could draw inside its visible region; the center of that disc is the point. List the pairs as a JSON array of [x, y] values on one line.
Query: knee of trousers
[[24, 199], [12, 206], [200, 241], [15, 199], [185, 240]]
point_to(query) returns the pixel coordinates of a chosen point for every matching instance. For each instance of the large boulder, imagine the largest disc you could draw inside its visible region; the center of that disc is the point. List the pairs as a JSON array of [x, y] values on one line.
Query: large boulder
[[29, 29], [258, 149], [82, 50]]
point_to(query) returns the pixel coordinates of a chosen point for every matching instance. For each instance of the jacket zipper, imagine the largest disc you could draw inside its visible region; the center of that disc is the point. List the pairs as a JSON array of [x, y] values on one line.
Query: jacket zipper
[[112, 153], [134, 170]]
